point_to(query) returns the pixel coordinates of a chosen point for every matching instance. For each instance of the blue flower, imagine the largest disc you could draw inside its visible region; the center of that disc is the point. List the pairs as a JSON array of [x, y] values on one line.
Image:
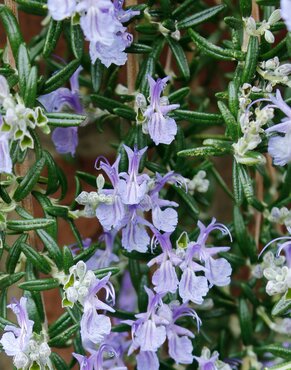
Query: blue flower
[[286, 12], [65, 139], [161, 128], [280, 146], [60, 10]]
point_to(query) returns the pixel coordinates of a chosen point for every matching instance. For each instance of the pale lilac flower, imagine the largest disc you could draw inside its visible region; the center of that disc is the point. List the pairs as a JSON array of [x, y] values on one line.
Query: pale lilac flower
[[147, 360], [286, 12], [134, 234], [208, 361], [217, 271], [280, 146], [180, 346], [148, 332], [65, 138], [15, 340], [127, 299], [6, 162], [123, 15], [165, 277], [161, 128], [97, 360], [114, 53], [60, 10], [110, 215], [94, 326], [98, 20]]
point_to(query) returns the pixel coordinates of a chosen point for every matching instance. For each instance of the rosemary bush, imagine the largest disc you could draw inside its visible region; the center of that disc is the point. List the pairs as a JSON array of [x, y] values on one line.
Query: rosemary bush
[[165, 286]]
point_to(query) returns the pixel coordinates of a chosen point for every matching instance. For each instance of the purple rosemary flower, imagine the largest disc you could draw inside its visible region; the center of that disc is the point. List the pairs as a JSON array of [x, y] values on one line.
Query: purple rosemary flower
[[94, 326], [192, 287], [123, 15], [286, 12], [208, 361], [148, 331], [147, 360], [65, 139], [6, 162], [165, 277], [217, 271], [133, 186], [127, 299], [97, 360], [15, 340], [161, 128], [280, 146], [133, 194], [98, 20], [180, 346], [60, 10]]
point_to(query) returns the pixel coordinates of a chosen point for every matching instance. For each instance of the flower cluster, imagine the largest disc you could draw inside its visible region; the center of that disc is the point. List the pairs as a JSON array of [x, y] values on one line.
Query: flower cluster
[[281, 216], [280, 145], [191, 258], [210, 361], [28, 349], [152, 328], [276, 269], [199, 183], [133, 194], [82, 286], [154, 118], [101, 22], [65, 139], [251, 124], [274, 73], [16, 123], [264, 27]]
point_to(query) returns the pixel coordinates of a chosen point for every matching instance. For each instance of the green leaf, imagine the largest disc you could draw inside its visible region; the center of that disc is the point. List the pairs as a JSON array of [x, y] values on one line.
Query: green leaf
[[245, 7], [203, 151], [282, 307], [251, 61], [207, 119], [7, 280], [62, 339], [87, 177], [180, 57], [31, 88], [230, 121], [29, 180], [12, 29], [64, 119], [248, 189], [100, 273], [68, 259], [24, 67], [276, 350], [51, 246], [58, 362], [97, 70], [127, 113], [60, 77], [37, 7], [35, 258], [138, 49], [245, 318], [191, 206], [200, 17], [52, 37], [77, 39], [53, 180], [234, 23], [60, 324], [246, 244], [178, 95], [105, 103], [215, 51], [26, 225], [14, 254], [40, 284], [284, 366]]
